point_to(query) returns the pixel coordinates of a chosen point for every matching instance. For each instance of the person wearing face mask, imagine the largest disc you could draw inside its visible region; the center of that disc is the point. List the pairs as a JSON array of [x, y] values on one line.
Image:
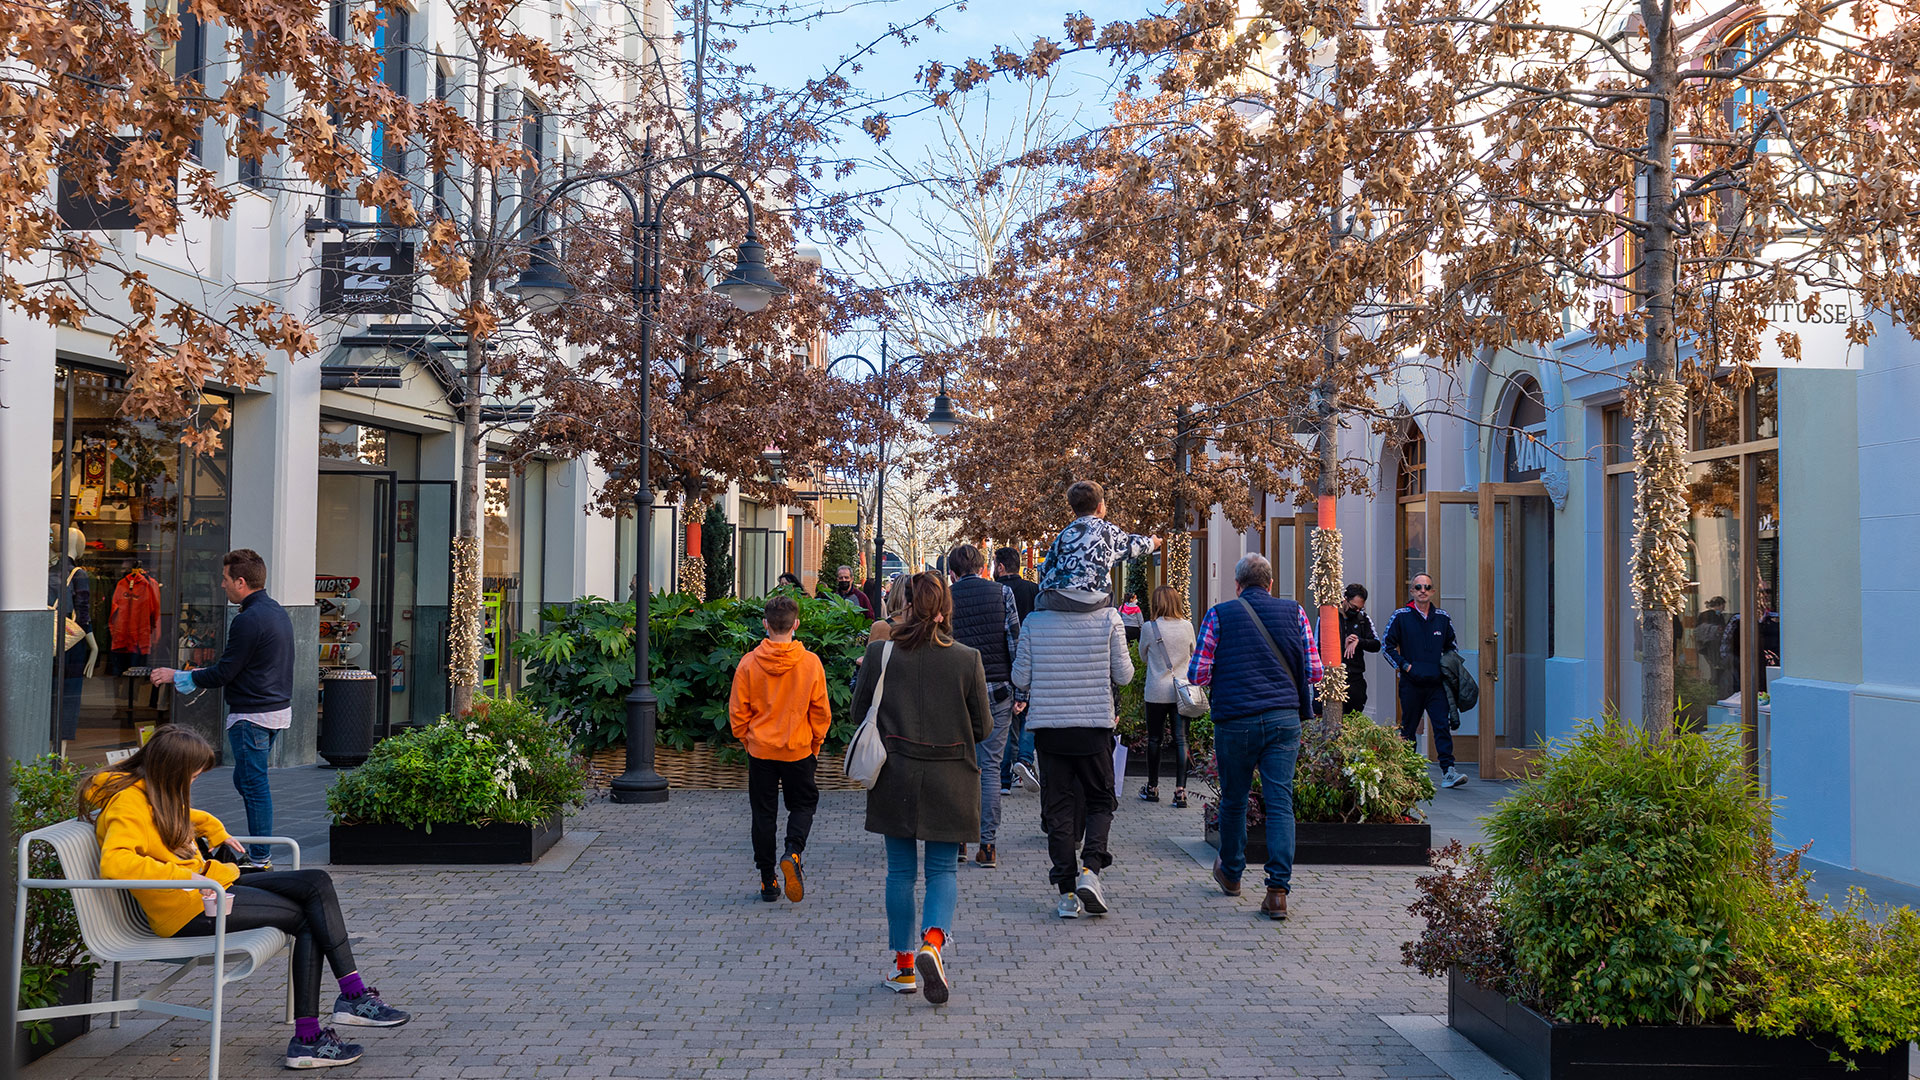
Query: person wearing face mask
[[1357, 639], [843, 588], [1417, 637]]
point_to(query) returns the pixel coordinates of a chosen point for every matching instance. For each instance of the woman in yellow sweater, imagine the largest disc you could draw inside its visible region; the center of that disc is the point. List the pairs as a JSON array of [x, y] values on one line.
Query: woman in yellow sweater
[[148, 829]]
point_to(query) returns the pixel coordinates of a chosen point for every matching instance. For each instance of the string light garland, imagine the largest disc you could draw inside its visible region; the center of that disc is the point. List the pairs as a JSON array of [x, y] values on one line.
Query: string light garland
[[1177, 563], [693, 577], [463, 663], [1660, 489], [1327, 579]]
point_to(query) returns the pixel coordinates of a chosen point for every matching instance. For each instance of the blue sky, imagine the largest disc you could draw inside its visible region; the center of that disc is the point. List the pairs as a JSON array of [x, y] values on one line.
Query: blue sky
[[789, 55]]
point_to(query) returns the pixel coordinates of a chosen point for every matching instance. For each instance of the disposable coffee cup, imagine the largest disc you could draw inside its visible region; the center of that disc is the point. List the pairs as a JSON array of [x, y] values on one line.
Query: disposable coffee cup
[[213, 900]]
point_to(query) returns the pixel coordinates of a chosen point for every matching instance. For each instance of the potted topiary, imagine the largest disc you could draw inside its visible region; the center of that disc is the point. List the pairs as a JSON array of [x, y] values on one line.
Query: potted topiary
[[1630, 917], [1357, 790], [56, 969], [487, 787]]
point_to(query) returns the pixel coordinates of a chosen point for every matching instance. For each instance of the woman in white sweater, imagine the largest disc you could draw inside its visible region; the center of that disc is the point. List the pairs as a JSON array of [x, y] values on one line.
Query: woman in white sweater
[[1166, 644]]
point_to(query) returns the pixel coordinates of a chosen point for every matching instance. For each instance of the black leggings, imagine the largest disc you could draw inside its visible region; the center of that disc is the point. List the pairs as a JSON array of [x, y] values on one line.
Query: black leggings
[[302, 903], [1158, 717]]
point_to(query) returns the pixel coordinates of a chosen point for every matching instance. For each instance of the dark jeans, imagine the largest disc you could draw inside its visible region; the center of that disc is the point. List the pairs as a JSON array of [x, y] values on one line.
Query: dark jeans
[[1159, 716], [302, 903], [1077, 802], [765, 781], [1270, 742], [252, 745], [1431, 699], [1356, 690]]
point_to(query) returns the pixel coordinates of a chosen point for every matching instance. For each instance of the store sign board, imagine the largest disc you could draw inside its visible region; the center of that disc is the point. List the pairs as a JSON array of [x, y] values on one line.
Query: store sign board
[[1821, 325], [839, 512], [366, 277]]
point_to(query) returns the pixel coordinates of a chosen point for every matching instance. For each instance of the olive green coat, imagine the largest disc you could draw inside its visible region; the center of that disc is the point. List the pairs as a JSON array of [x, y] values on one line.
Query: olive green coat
[[932, 713]]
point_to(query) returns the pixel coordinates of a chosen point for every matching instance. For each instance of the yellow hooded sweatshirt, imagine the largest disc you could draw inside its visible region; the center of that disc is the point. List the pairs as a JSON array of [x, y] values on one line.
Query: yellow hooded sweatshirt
[[131, 850], [779, 705]]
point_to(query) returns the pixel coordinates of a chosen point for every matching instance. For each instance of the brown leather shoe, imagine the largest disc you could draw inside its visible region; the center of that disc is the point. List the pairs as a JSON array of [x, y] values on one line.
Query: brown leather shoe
[[1227, 884], [1275, 905]]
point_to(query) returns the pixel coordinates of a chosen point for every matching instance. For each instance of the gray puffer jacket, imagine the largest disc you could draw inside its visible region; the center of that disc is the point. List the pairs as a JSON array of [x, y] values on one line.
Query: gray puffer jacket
[[1073, 651]]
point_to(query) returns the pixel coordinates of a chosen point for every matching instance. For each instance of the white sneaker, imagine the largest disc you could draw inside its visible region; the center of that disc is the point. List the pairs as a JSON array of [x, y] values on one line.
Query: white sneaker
[[1025, 774], [1088, 888], [1452, 778], [1069, 906]]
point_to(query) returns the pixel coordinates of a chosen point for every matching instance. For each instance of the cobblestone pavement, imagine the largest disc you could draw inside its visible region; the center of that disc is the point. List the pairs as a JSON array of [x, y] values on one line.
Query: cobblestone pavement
[[652, 956]]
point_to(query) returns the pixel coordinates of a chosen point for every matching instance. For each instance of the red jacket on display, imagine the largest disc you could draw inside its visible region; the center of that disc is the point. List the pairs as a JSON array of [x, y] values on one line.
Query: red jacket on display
[[135, 618]]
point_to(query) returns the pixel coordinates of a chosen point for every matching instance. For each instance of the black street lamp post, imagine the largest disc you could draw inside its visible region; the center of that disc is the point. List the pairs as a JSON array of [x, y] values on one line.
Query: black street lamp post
[[544, 287], [940, 421]]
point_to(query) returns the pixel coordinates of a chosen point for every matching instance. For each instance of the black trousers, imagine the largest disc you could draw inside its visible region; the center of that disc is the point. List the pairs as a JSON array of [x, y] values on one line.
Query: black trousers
[[765, 781], [1159, 717], [1356, 690], [1428, 698], [302, 903], [1077, 802]]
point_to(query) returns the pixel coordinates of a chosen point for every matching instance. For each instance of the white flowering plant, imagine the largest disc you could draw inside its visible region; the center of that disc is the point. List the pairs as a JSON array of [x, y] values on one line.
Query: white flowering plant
[[504, 761]]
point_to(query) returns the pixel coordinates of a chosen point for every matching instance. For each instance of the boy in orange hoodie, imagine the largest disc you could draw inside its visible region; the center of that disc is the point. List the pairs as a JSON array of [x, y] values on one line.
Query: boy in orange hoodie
[[779, 712]]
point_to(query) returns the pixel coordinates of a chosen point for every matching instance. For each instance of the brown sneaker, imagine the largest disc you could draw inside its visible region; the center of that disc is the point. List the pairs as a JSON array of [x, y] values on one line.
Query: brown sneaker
[[986, 856], [1275, 905], [1227, 884]]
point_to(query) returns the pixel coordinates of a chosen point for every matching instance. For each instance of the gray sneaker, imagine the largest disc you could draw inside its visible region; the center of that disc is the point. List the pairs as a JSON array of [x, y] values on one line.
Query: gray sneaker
[[1069, 906], [1452, 778], [1024, 773], [1088, 887]]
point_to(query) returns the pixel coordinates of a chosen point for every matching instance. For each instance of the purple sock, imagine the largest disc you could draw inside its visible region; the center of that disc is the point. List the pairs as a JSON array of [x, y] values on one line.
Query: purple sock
[[350, 984], [306, 1028]]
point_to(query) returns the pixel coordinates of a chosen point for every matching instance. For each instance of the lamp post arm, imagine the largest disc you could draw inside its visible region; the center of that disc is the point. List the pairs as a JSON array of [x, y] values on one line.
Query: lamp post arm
[[708, 174]]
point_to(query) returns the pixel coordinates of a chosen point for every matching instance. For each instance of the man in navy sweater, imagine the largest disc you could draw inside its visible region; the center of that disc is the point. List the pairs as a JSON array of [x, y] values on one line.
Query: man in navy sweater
[[1416, 638], [256, 669], [1256, 655]]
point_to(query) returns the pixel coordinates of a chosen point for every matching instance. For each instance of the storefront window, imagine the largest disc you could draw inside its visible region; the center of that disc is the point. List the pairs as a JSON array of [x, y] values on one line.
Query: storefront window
[[1734, 534], [138, 528]]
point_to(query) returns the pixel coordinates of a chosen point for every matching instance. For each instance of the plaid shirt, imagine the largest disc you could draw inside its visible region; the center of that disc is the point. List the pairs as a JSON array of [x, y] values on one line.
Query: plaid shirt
[[1200, 668]]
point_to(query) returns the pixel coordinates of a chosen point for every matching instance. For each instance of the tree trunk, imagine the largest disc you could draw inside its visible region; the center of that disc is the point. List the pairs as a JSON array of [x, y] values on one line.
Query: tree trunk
[[464, 622], [1660, 527]]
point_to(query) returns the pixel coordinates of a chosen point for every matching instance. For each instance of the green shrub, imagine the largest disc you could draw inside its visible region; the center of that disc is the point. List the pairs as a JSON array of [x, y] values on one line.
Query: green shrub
[[842, 549], [505, 761], [1850, 976], [581, 666], [1349, 770], [43, 795], [1352, 769], [1623, 868], [716, 551]]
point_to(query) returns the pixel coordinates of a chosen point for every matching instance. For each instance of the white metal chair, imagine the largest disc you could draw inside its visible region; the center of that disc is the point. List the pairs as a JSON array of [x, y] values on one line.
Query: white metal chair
[[116, 932]]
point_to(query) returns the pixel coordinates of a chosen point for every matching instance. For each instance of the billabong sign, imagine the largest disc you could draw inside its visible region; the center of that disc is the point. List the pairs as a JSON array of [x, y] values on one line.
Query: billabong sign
[[366, 277]]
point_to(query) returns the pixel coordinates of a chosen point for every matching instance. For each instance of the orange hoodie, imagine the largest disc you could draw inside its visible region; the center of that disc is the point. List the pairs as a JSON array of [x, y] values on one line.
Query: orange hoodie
[[779, 704]]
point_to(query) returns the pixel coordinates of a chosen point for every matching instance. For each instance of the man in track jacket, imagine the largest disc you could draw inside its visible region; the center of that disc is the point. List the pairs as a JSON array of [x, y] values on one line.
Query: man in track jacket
[[1417, 637]]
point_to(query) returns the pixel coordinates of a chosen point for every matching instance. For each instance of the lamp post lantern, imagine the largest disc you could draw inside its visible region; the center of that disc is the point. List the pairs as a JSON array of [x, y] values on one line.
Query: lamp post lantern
[[544, 287], [941, 421]]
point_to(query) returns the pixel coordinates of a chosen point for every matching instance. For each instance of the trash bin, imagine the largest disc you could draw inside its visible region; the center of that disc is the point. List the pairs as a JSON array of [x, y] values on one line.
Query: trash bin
[[349, 707]]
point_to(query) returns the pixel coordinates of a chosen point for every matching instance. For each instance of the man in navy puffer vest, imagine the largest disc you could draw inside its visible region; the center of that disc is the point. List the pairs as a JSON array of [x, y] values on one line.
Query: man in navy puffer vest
[[1258, 661]]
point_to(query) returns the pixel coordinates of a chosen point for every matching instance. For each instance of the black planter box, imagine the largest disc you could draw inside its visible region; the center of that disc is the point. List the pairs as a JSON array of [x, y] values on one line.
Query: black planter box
[[445, 845], [1338, 843], [65, 1029], [1536, 1048]]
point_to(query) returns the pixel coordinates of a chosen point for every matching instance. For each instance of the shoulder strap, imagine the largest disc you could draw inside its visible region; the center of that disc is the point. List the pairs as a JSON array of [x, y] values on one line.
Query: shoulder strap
[[1274, 646], [880, 683]]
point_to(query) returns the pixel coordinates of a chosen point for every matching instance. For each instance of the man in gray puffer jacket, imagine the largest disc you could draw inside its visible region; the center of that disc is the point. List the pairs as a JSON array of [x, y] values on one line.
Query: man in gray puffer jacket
[[1073, 651]]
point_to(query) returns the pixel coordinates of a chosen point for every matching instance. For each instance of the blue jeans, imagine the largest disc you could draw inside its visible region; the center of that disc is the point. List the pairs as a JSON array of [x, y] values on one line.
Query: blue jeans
[[1019, 748], [251, 745], [1269, 741], [989, 755], [943, 890]]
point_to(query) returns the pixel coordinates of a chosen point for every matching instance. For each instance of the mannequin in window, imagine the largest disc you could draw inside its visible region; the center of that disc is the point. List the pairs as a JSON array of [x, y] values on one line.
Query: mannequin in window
[[70, 594]]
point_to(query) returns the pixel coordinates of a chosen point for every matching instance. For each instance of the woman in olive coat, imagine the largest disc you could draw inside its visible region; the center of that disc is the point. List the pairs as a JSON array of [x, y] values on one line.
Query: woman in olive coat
[[933, 710]]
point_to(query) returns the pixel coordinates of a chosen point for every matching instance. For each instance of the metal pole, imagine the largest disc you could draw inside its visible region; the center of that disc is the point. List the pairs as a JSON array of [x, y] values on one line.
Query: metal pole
[[880, 497], [641, 783]]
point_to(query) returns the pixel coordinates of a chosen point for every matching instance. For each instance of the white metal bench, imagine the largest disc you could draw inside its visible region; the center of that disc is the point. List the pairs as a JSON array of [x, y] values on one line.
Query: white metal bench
[[115, 931]]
